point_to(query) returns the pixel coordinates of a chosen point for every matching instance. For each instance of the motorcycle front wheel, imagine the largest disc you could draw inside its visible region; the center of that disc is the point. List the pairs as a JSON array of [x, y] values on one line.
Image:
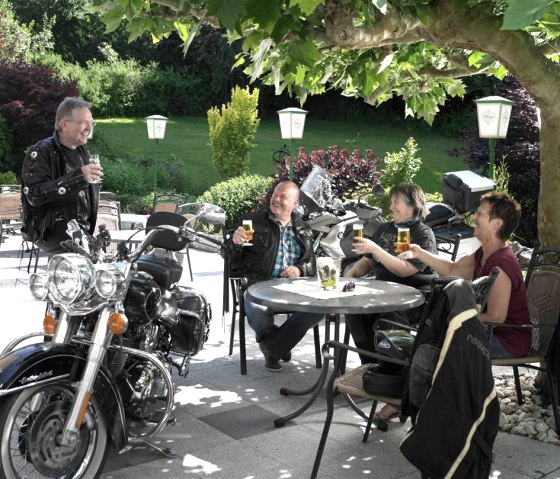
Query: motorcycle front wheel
[[31, 425]]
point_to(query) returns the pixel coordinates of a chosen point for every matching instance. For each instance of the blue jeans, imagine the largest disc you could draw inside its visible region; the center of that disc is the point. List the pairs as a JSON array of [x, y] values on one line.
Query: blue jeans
[[279, 340], [497, 350]]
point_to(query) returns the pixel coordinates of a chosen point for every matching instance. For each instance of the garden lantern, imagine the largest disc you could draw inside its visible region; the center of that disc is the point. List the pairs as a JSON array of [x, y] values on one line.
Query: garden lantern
[[493, 113], [156, 131], [292, 123]]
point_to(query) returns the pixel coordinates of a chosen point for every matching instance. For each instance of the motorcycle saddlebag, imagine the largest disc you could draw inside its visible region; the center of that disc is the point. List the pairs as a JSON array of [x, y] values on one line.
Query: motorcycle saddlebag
[[194, 314]]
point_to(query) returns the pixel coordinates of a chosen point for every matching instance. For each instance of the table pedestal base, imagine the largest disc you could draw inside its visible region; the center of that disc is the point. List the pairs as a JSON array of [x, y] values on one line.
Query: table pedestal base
[[318, 385]]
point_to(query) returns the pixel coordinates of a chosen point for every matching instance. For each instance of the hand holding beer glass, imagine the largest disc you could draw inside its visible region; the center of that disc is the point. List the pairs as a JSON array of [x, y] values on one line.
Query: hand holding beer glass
[[358, 231], [248, 227]]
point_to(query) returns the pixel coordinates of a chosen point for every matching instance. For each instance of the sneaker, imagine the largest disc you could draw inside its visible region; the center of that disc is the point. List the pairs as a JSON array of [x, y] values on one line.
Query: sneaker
[[270, 363], [286, 357]]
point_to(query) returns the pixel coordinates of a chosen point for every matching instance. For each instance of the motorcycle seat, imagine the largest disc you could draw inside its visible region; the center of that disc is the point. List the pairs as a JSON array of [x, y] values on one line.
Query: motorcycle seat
[[165, 271]]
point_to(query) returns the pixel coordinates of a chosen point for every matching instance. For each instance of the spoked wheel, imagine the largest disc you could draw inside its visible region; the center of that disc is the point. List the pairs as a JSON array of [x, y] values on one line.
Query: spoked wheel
[[32, 423]]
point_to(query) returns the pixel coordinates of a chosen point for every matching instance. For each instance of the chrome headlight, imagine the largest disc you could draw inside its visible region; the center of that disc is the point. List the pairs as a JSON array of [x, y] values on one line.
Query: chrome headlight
[[71, 278], [38, 286], [107, 282]]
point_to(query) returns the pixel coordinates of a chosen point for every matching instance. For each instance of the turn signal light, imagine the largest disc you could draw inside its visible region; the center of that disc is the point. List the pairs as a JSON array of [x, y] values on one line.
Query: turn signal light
[[118, 323], [49, 324]]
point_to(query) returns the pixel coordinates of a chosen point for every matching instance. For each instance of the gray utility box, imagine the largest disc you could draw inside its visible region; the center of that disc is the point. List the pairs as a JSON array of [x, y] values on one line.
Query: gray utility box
[[463, 189]]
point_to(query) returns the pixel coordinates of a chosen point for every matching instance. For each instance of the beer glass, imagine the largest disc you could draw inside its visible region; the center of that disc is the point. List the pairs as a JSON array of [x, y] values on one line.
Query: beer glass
[[94, 160], [328, 271], [358, 230], [248, 227], [403, 240]]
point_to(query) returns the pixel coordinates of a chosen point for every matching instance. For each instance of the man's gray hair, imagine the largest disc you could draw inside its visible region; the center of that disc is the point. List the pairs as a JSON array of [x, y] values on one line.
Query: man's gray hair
[[65, 109]]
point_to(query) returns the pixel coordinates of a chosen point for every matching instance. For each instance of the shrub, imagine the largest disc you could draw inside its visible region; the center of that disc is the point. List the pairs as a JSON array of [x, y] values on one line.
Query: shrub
[[29, 97], [5, 146], [348, 169], [174, 92], [109, 86], [400, 167], [232, 128], [124, 178], [237, 196], [8, 178]]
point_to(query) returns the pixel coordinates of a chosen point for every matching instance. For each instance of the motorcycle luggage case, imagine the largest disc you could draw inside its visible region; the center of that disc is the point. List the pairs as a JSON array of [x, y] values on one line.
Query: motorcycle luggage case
[[463, 189], [193, 327]]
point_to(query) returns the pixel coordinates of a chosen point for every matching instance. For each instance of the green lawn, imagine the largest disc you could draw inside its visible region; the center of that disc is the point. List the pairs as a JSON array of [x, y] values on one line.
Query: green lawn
[[187, 139]]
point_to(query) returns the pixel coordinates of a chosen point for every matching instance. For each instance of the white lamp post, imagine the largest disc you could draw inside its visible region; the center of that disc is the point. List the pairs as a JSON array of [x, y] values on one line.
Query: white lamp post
[[493, 113], [156, 131], [292, 123]]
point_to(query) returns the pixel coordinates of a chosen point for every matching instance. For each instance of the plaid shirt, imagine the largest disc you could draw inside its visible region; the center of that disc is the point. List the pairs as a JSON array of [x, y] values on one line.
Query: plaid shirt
[[289, 250]]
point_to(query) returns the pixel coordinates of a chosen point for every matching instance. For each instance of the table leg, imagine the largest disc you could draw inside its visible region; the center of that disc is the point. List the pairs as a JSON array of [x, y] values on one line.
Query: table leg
[[318, 385]]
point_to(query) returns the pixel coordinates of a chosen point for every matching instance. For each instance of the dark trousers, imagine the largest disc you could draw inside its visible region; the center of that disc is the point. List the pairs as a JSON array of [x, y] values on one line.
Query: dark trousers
[[362, 327]]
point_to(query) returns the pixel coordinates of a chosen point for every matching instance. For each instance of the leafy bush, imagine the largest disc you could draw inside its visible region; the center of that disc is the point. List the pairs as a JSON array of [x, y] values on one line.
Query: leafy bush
[[232, 128], [348, 169], [5, 144], [237, 196], [29, 97], [110, 86], [124, 178], [399, 167], [8, 178], [175, 92]]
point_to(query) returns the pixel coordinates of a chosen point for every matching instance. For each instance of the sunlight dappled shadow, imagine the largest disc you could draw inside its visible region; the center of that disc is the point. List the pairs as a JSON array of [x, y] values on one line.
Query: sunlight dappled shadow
[[198, 394]]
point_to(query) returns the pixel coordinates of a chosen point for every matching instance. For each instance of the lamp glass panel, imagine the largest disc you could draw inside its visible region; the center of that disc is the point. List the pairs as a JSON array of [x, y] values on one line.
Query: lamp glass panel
[[488, 119], [285, 125], [298, 124], [505, 114]]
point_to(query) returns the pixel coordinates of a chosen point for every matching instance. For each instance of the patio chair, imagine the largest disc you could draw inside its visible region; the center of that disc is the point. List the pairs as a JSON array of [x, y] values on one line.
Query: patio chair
[[10, 211], [448, 316], [448, 246], [543, 295], [234, 287], [168, 202]]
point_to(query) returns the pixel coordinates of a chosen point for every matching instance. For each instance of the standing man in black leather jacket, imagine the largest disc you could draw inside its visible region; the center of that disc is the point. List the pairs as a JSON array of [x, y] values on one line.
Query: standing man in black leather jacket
[[282, 247], [57, 179]]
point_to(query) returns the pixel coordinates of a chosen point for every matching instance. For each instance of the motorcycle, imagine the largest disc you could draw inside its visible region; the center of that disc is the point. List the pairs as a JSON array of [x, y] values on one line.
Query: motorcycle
[[116, 324], [332, 220]]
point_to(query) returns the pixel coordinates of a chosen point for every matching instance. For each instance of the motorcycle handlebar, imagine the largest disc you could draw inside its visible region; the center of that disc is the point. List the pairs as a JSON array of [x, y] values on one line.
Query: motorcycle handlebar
[[185, 232]]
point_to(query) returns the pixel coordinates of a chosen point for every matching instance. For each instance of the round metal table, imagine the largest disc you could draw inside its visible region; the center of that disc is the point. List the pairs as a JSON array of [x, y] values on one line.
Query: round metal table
[[306, 295]]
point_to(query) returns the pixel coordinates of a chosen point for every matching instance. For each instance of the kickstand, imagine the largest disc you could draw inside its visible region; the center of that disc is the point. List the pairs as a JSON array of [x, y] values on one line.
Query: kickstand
[[167, 452]]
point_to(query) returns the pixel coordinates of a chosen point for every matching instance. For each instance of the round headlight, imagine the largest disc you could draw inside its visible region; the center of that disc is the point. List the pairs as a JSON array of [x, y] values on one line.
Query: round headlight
[[105, 283], [38, 286], [70, 277]]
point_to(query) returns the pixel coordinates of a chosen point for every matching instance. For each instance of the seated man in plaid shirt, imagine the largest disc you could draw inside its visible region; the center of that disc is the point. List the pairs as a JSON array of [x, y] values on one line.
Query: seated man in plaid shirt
[[281, 247]]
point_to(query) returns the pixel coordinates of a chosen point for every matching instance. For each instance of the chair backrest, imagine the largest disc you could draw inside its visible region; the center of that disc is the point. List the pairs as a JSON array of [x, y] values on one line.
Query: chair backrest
[[543, 296], [543, 259], [10, 205], [108, 196], [166, 239], [450, 247], [168, 202], [482, 288], [109, 209]]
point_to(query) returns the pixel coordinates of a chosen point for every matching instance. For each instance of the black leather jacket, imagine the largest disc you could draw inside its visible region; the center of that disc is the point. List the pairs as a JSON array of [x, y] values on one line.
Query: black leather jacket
[[49, 194], [256, 262]]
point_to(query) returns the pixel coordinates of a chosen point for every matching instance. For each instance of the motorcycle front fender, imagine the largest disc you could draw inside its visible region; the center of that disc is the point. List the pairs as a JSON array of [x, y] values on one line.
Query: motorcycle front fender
[[37, 364]]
